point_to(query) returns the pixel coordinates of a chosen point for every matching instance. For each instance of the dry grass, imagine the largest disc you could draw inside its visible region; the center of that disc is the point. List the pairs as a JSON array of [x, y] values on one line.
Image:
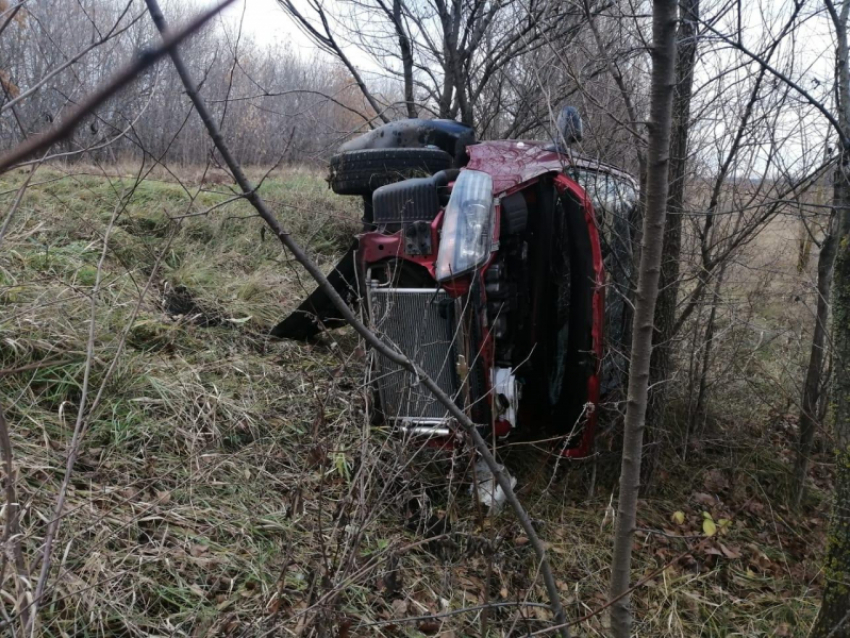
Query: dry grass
[[229, 485]]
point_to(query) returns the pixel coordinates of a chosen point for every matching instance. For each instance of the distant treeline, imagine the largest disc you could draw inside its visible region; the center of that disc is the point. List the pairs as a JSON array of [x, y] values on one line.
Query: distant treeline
[[273, 103]]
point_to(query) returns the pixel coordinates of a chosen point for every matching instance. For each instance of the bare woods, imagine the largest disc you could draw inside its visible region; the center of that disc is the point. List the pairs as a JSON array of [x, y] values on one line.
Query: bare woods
[[169, 469]]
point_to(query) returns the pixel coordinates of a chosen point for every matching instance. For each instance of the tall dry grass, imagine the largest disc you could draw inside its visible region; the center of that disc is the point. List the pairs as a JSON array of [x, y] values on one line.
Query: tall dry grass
[[232, 485]]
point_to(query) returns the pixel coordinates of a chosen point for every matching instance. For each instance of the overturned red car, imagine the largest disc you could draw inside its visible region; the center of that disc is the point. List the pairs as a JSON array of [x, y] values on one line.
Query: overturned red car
[[485, 263]]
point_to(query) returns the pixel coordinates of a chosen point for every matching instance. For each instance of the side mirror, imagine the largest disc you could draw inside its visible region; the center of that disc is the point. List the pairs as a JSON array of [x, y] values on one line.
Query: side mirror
[[569, 124]]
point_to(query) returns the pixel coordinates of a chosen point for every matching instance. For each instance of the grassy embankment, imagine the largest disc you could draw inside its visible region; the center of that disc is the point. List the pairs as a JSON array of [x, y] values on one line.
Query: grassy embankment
[[226, 485]]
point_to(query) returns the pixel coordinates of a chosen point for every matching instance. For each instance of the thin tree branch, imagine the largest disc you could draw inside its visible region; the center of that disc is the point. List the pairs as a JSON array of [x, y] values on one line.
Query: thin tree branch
[[11, 532], [144, 61], [112, 33], [329, 44], [370, 337], [755, 57], [10, 15]]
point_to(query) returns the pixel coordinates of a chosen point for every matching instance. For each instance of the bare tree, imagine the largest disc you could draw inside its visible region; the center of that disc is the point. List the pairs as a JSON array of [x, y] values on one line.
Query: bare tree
[[665, 311], [813, 383], [259, 86], [835, 610], [833, 617], [458, 59], [657, 187]]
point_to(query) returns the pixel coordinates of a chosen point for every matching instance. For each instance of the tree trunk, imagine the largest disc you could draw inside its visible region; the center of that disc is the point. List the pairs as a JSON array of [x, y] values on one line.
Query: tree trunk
[[658, 156], [699, 406], [833, 621], [406, 59], [814, 372], [834, 617], [449, 21], [665, 310]]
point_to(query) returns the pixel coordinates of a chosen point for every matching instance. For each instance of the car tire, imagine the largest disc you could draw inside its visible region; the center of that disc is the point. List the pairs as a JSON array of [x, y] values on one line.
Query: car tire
[[361, 172]]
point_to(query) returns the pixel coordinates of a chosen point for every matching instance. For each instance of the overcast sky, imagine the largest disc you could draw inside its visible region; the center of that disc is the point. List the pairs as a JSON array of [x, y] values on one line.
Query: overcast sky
[[265, 21]]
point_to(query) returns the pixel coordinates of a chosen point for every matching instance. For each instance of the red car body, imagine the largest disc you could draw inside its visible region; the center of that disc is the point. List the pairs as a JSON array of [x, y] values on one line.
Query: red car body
[[515, 166], [516, 339]]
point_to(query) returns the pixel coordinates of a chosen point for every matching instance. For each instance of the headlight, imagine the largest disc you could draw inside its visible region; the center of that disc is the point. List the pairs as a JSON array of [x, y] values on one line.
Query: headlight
[[467, 231]]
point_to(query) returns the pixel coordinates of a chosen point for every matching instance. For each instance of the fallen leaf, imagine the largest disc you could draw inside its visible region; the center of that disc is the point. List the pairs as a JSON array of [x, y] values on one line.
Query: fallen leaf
[[542, 613], [705, 499], [678, 518], [708, 527], [715, 481], [274, 605], [729, 552], [197, 550], [755, 508]]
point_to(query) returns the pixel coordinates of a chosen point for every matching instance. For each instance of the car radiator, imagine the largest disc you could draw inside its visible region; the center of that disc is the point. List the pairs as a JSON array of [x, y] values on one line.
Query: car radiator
[[422, 324]]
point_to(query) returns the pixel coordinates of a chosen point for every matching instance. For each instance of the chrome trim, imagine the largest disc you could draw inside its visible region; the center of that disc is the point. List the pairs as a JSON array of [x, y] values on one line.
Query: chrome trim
[[426, 430], [430, 291]]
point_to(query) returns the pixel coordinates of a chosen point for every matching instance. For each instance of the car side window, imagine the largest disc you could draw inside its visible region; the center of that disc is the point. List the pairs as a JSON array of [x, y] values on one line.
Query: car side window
[[614, 199], [609, 194]]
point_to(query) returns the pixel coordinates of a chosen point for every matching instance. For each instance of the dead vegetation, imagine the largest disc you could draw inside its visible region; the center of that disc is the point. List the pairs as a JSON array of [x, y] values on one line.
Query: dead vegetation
[[232, 485]]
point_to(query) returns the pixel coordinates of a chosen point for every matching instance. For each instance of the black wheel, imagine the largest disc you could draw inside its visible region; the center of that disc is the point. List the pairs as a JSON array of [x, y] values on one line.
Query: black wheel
[[361, 172]]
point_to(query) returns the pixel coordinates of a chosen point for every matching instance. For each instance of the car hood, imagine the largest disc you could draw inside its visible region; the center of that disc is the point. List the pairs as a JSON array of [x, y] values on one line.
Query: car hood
[[513, 162]]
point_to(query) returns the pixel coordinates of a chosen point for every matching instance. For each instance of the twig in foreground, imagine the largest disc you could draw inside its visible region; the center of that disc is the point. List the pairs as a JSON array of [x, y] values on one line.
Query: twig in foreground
[[11, 532], [370, 337]]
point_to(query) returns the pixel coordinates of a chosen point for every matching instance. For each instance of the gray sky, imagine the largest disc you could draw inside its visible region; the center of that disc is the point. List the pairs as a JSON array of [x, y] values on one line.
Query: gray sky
[[267, 22]]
